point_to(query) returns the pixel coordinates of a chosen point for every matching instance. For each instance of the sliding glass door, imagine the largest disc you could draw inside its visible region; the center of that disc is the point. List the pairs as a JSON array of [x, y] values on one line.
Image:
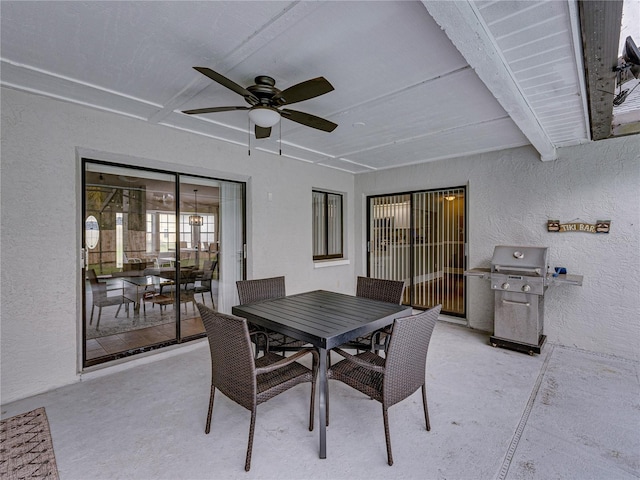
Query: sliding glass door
[[420, 237], [153, 247]]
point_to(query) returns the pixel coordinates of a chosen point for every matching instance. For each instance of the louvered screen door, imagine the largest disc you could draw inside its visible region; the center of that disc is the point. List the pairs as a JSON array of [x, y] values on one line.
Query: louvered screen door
[[420, 237]]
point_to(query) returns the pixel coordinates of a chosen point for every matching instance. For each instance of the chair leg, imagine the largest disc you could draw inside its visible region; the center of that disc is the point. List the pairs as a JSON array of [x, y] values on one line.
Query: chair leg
[[424, 404], [207, 428], [213, 304], [252, 427], [99, 315], [91, 317], [385, 417], [118, 311], [313, 395]]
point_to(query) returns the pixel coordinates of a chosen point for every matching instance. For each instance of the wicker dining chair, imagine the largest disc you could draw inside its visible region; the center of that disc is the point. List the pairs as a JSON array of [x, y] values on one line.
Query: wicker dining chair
[[376, 289], [397, 375], [244, 379], [100, 298], [250, 291]]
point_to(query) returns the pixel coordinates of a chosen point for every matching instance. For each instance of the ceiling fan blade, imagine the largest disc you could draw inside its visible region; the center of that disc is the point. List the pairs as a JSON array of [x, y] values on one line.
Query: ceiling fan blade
[[262, 132], [230, 84], [303, 91], [308, 120], [198, 111]]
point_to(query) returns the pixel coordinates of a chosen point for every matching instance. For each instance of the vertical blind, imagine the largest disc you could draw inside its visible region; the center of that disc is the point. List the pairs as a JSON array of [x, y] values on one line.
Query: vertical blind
[[420, 238]]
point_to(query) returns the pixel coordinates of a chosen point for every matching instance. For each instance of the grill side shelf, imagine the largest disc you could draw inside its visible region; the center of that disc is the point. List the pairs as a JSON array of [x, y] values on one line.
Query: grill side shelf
[[484, 273], [565, 279]]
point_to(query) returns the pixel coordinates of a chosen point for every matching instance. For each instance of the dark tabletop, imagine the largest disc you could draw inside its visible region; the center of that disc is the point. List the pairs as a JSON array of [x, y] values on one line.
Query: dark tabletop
[[324, 319]]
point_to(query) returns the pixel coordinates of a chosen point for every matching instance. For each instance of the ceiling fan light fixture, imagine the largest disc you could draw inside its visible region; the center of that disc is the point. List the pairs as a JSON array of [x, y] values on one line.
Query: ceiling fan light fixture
[[265, 117]]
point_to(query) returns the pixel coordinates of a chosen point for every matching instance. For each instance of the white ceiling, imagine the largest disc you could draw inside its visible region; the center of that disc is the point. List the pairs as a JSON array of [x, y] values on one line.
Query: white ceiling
[[496, 75]]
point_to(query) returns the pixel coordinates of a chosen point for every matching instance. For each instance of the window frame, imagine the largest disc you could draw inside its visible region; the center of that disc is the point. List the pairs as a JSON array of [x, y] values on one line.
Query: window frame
[[325, 214]]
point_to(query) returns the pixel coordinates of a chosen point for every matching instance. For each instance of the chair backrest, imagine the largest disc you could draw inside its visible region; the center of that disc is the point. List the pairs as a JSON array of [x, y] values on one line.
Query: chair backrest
[[207, 265], [205, 281], [232, 364], [406, 357], [98, 290], [380, 289], [250, 291]]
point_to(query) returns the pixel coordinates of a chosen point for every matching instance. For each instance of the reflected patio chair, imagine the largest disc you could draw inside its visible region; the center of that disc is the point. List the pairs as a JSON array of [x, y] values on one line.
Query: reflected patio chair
[[212, 249], [101, 299], [250, 291], [187, 287], [376, 289], [244, 379], [204, 286], [399, 374], [207, 265]]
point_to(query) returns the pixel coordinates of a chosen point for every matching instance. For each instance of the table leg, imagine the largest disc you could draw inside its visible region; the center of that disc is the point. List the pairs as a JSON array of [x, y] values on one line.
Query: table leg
[[137, 298], [137, 301], [322, 401]]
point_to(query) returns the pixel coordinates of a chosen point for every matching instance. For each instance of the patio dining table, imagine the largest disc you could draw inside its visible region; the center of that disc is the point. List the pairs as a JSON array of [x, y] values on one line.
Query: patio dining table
[[140, 285], [325, 320]]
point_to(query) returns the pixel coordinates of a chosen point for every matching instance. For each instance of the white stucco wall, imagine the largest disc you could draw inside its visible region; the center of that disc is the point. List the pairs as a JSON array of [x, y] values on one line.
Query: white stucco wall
[[511, 195], [40, 222]]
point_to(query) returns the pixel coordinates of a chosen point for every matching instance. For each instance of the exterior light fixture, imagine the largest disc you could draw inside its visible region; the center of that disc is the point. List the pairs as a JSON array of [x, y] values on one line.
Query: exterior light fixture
[[264, 117], [195, 220]]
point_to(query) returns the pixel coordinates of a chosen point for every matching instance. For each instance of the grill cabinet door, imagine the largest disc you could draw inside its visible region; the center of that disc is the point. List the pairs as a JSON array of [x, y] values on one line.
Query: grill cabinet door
[[518, 317]]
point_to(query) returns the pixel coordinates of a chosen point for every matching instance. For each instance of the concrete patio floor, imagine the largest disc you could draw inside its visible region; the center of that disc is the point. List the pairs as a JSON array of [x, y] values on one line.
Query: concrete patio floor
[[495, 414]]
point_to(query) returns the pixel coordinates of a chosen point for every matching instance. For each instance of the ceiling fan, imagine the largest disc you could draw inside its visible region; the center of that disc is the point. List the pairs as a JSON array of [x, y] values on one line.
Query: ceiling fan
[[265, 101], [627, 69]]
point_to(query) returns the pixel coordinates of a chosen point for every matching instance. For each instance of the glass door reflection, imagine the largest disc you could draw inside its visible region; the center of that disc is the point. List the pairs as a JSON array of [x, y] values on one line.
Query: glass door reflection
[[153, 248], [129, 243], [198, 250]]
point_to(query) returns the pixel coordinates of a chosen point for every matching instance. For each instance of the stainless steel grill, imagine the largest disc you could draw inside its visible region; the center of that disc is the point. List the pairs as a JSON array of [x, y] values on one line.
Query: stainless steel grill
[[519, 278]]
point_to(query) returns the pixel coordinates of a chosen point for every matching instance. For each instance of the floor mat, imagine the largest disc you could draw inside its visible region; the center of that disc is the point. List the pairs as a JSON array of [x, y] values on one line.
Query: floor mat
[[26, 448]]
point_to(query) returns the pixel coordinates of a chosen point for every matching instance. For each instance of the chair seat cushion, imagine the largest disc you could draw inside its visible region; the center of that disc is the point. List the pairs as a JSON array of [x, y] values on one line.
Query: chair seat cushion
[[108, 301]]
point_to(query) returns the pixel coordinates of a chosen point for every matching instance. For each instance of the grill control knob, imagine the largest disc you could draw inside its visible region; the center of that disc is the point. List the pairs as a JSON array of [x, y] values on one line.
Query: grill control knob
[[505, 286], [526, 288]]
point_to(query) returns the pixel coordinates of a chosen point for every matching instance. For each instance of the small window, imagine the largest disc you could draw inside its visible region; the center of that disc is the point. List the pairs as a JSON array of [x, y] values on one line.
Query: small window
[[327, 225]]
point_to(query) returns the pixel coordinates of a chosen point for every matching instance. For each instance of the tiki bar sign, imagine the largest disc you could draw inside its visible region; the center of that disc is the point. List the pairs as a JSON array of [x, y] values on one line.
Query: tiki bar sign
[[601, 226]]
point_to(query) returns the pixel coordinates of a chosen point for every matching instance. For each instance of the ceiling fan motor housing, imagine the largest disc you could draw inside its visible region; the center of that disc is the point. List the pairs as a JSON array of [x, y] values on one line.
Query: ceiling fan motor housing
[[265, 90]]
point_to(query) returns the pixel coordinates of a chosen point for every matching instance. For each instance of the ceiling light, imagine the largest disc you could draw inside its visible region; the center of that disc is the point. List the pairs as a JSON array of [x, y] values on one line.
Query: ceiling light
[[195, 220], [450, 198], [265, 117]]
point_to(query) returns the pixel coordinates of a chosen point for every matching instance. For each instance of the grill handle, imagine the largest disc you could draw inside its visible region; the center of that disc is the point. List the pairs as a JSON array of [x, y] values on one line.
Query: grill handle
[[536, 270], [511, 302]]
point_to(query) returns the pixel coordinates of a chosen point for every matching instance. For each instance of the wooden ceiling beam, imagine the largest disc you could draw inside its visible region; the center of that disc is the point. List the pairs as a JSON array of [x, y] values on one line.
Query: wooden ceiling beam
[[600, 22]]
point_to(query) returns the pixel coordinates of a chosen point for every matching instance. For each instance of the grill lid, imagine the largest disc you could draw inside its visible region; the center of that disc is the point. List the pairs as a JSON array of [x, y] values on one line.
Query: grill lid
[[523, 260]]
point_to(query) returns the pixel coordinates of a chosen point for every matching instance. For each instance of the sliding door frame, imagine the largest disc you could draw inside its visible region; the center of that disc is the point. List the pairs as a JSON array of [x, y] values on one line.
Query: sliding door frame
[[177, 176], [412, 239]]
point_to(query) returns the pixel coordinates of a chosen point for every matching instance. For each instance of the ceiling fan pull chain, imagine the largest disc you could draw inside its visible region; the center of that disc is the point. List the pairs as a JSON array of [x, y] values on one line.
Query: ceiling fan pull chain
[[280, 143], [249, 134]]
